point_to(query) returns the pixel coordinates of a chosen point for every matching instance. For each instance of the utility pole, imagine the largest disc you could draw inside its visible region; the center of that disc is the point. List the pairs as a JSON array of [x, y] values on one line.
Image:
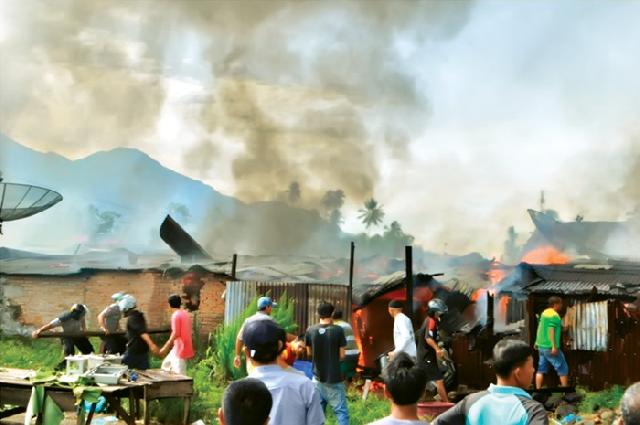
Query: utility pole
[[408, 259]]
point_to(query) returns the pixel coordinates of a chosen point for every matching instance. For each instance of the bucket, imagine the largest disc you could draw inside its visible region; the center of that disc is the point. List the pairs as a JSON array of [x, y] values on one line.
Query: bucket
[[433, 408], [382, 361], [304, 366]]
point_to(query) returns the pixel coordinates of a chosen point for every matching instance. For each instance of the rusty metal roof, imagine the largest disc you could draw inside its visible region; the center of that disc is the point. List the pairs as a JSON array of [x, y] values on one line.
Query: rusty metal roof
[[616, 281], [597, 274], [579, 288]]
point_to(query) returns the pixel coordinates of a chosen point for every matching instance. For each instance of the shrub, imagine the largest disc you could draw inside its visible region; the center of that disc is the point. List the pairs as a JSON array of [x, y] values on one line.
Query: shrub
[[215, 369], [606, 399], [224, 338]]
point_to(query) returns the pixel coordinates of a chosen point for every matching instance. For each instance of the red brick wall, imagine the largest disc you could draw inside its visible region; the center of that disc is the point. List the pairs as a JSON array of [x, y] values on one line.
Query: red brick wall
[[42, 298]]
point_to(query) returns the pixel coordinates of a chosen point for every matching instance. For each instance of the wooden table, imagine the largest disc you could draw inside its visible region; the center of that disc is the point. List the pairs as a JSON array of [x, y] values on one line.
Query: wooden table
[[152, 384]]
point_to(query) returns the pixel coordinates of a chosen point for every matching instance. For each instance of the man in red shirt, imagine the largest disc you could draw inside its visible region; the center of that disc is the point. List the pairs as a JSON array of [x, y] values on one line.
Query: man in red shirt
[[180, 339]]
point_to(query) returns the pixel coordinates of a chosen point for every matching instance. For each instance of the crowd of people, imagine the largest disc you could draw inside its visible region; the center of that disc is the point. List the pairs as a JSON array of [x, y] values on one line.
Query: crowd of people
[[274, 392], [135, 344]]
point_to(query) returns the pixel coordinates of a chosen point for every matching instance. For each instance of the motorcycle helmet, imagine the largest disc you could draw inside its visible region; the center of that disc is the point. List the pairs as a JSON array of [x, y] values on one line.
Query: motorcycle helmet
[[437, 306], [127, 302]]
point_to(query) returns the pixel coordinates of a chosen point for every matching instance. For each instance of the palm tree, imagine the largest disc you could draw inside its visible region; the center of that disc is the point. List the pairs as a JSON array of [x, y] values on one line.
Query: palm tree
[[372, 213]]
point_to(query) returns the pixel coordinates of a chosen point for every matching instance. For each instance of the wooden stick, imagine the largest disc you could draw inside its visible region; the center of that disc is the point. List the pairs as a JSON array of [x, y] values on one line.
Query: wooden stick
[[49, 334]]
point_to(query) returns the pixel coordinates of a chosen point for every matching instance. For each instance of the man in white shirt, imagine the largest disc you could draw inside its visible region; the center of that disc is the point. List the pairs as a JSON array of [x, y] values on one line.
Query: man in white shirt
[[404, 338], [295, 399]]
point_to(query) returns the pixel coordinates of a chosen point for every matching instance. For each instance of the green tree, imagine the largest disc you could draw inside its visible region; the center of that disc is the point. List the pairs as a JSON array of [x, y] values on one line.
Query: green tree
[[372, 213]]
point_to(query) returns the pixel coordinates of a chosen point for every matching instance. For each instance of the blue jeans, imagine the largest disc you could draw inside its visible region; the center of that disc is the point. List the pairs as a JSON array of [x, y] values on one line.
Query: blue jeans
[[335, 395], [558, 362]]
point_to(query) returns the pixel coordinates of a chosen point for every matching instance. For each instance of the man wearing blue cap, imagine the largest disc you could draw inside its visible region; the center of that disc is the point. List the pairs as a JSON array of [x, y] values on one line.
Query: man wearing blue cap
[[265, 305]]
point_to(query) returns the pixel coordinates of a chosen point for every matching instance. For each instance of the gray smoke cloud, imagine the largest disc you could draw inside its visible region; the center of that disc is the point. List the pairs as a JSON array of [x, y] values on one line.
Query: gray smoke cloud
[[454, 115], [96, 76]]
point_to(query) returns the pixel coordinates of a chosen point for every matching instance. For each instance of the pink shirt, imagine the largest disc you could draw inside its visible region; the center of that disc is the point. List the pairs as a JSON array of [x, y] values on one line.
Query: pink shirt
[[181, 327]]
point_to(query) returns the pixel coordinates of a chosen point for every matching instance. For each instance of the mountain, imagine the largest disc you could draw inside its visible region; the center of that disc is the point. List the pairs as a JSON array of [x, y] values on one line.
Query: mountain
[[118, 198]]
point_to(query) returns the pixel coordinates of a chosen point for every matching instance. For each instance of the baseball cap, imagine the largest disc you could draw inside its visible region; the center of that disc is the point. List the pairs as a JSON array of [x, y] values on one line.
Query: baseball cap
[[261, 337], [264, 302]]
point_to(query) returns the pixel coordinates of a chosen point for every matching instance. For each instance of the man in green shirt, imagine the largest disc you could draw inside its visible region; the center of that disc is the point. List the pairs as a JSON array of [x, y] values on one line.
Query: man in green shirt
[[548, 343]]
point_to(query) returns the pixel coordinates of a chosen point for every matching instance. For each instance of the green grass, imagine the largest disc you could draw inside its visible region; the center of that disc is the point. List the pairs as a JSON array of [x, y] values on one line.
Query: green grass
[[211, 370], [594, 401], [362, 412]]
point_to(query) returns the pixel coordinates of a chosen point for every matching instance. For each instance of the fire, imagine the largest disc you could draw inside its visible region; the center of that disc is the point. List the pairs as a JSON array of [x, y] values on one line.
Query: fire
[[545, 254], [496, 273], [477, 294]]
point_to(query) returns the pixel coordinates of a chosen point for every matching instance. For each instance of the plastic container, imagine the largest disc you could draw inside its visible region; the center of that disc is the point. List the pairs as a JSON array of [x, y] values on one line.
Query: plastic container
[[108, 374], [304, 366], [77, 365], [433, 408], [96, 360]]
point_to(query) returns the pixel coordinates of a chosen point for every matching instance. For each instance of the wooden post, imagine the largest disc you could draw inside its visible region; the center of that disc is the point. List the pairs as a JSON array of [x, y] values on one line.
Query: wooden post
[[490, 314], [186, 409], [54, 334], [408, 261], [234, 263], [350, 291], [145, 404]]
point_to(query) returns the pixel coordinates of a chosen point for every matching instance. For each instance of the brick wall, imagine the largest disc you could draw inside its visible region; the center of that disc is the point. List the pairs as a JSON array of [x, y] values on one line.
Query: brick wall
[[42, 298]]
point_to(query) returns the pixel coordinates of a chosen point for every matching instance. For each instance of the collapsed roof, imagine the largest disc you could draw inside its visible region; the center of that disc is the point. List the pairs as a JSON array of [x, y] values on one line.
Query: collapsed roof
[[598, 239]]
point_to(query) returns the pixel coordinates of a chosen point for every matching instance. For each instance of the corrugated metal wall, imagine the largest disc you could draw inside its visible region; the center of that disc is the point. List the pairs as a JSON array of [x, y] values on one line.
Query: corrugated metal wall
[[306, 298], [590, 326], [596, 370], [237, 296]]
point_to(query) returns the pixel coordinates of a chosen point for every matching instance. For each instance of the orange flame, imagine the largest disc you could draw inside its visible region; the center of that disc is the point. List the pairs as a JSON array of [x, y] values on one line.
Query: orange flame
[[496, 273], [545, 254]]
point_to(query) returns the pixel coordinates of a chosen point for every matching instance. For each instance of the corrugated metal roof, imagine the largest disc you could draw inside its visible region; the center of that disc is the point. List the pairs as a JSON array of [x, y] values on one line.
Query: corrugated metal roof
[[577, 288], [617, 281], [600, 274]]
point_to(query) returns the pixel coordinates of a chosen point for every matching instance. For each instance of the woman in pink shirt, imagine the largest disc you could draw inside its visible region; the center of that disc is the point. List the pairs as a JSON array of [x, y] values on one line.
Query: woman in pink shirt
[[180, 339]]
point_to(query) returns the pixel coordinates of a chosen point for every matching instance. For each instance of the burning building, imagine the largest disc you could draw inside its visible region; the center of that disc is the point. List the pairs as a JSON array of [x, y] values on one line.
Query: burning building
[[601, 315], [372, 324]]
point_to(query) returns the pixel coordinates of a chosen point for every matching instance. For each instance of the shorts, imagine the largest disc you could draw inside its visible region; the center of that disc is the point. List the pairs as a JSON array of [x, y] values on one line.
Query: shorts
[[136, 361], [558, 362], [348, 366], [114, 344], [173, 363], [433, 371]]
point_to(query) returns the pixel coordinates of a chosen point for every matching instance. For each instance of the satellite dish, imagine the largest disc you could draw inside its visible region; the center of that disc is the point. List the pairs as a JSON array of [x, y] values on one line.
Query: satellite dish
[[23, 200]]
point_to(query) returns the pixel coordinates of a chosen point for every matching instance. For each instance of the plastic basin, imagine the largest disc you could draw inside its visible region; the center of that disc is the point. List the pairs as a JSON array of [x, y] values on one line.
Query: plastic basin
[[433, 408]]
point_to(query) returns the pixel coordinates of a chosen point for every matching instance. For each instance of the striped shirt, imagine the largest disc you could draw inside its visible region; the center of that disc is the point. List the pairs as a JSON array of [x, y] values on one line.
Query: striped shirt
[[498, 405], [351, 349]]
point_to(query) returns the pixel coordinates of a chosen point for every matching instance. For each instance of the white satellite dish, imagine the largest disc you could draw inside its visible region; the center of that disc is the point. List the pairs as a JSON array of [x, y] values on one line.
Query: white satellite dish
[[23, 200]]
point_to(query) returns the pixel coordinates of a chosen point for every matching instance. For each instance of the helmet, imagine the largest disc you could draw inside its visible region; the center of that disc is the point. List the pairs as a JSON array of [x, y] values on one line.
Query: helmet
[[127, 302], [438, 306], [117, 296], [78, 311]]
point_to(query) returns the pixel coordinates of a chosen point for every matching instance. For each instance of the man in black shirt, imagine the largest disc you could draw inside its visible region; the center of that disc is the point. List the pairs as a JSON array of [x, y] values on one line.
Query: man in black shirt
[[326, 343], [139, 343], [428, 349], [72, 321]]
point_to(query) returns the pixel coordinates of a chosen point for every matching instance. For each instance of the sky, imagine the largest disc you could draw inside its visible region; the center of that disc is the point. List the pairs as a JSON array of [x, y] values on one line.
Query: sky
[[454, 115]]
